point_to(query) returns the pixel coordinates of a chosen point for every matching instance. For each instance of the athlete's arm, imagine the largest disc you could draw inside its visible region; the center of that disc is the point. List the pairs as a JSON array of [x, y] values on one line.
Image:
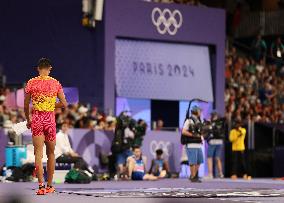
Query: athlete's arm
[[27, 109], [62, 100], [166, 166], [152, 166], [145, 162], [131, 164]]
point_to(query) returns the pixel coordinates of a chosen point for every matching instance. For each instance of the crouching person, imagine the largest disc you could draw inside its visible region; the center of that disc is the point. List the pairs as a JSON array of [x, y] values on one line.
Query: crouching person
[[136, 166]]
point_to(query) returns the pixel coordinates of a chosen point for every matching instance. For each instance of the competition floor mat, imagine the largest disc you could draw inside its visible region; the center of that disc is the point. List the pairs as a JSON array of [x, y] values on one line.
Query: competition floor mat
[[161, 191], [176, 192]]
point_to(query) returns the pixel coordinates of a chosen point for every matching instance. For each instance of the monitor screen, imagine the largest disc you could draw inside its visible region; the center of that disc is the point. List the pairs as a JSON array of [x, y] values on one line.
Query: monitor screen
[[162, 70]]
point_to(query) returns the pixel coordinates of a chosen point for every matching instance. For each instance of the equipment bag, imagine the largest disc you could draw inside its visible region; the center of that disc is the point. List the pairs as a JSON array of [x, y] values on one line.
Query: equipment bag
[[77, 176]]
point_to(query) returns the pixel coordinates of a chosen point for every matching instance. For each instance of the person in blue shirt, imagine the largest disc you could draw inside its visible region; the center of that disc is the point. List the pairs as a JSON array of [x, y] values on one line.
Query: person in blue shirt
[[136, 165], [159, 166]]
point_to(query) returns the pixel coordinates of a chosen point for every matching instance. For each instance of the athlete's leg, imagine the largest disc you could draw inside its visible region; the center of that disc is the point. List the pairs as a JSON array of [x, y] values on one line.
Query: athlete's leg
[[130, 167], [50, 146], [49, 129], [38, 142], [163, 174], [149, 177]]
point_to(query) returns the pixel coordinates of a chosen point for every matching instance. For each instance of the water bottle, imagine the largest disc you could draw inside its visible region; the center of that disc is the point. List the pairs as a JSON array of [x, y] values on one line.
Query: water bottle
[[4, 170]]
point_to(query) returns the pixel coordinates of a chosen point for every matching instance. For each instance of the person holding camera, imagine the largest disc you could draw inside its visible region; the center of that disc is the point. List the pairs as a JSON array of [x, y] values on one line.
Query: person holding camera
[[128, 133], [140, 132], [237, 138], [123, 141], [215, 144], [192, 138]]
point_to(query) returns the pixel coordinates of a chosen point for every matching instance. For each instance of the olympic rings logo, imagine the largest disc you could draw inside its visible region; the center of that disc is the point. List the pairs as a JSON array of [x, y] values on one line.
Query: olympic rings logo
[[165, 146], [167, 21]]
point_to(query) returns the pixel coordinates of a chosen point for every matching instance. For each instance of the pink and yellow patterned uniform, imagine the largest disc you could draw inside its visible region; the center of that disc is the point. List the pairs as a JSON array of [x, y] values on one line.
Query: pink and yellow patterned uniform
[[43, 91]]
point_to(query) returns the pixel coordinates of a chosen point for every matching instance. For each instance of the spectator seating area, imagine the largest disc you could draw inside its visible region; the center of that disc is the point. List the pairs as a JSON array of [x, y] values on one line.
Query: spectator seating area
[[254, 89]]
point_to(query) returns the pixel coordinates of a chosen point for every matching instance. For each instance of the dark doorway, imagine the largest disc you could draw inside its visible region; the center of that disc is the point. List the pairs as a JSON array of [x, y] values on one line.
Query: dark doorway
[[168, 111]]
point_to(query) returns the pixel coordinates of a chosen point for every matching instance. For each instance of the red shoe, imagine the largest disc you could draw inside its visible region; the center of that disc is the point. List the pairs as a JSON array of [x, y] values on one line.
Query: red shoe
[[41, 191], [49, 189]]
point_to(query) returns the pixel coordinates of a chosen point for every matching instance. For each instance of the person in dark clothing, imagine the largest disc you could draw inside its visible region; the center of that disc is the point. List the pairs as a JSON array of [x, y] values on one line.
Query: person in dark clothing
[[215, 145], [123, 141], [277, 52]]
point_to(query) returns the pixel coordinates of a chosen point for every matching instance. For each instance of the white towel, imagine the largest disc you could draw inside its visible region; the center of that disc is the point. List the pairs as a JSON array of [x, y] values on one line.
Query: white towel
[[20, 128]]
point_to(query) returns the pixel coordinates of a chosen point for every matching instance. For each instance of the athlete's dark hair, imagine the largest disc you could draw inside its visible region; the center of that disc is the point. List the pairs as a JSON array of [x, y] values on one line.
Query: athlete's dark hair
[[135, 147], [44, 63], [159, 151]]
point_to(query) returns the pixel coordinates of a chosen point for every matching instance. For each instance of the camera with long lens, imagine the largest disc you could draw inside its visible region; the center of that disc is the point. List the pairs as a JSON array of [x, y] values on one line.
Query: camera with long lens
[[128, 132], [125, 127], [208, 129], [140, 132], [124, 120], [196, 129], [215, 129]]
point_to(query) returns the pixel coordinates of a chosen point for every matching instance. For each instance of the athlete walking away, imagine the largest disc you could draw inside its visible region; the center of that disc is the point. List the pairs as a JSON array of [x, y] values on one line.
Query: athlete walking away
[[43, 91]]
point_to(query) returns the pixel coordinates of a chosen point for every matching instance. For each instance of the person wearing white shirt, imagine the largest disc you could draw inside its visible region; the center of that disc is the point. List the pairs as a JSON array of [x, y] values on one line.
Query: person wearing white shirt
[[192, 138], [64, 152]]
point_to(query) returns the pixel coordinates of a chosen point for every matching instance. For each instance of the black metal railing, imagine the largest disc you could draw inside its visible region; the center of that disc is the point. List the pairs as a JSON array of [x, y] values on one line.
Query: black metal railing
[[270, 23]]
